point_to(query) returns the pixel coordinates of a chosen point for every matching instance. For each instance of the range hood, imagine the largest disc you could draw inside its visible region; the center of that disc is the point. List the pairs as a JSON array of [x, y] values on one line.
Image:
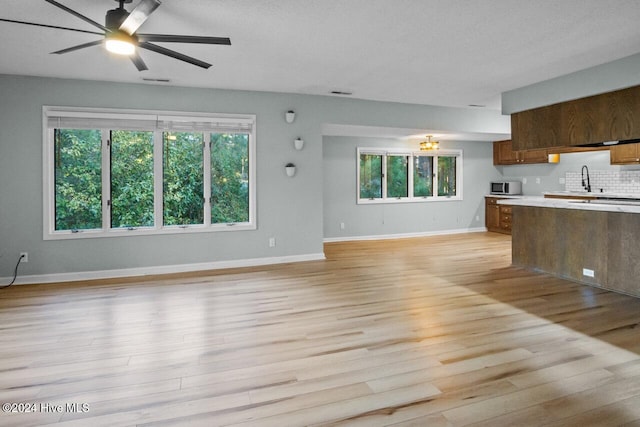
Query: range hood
[[609, 143]]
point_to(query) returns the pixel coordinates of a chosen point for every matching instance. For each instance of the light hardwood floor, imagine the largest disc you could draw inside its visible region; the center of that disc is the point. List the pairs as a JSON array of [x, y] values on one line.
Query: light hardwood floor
[[437, 331]]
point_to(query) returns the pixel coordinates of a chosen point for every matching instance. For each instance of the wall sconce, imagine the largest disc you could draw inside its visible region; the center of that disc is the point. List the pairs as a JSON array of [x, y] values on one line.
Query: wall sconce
[[298, 143], [290, 116], [290, 168]]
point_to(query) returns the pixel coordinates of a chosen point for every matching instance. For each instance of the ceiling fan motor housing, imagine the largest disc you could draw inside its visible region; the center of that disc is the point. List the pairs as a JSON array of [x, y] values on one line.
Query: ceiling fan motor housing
[[115, 18]]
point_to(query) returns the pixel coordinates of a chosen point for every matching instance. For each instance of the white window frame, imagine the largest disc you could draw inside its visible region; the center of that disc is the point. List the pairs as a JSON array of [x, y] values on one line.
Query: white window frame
[[160, 121], [384, 152]]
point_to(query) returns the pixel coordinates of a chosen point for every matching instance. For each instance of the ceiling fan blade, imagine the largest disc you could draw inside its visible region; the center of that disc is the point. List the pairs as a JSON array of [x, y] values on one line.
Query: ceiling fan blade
[[78, 47], [78, 15], [173, 54], [138, 15], [170, 38], [138, 62], [49, 26]]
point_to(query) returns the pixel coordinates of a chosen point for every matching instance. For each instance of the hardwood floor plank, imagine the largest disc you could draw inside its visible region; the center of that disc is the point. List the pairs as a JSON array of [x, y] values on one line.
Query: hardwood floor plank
[[380, 333]]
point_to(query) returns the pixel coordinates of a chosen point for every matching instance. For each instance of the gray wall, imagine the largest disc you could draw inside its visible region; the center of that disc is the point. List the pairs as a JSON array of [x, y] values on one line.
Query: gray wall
[[340, 166], [603, 78], [289, 209]]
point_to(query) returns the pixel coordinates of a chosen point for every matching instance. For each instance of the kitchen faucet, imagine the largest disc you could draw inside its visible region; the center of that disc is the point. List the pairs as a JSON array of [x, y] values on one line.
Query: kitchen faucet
[[586, 186]]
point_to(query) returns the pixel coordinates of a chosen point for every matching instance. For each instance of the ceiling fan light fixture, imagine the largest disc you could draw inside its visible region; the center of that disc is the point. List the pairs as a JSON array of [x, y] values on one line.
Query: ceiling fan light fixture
[[120, 44]]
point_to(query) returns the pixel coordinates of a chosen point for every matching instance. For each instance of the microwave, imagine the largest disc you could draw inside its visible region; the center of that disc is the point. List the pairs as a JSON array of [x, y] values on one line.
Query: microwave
[[506, 187]]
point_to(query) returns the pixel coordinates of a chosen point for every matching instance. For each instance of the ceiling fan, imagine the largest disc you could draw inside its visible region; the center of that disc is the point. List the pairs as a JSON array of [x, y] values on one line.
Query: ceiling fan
[[121, 36]]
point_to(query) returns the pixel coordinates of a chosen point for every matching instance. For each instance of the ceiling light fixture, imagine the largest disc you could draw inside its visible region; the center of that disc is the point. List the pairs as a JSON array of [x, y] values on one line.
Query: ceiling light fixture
[[120, 43], [429, 145]]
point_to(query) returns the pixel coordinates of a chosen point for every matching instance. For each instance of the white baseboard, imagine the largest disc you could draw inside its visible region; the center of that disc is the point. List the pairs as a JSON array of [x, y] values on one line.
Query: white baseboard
[[406, 235], [161, 269]]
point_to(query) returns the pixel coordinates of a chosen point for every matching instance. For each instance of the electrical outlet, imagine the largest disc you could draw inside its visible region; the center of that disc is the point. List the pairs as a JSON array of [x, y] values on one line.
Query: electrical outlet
[[477, 218], [588, 273], [537, 180], [342, 226], [524, 180], [24, 256], [272, 242]]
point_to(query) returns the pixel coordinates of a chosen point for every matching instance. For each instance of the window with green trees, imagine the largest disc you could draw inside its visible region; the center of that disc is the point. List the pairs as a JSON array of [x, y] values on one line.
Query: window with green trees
[[110, 172], [229, 177], [397, 176], [131, 178], [446, 176], [78, 179], [370, 173], [183, 178], [408, 176]]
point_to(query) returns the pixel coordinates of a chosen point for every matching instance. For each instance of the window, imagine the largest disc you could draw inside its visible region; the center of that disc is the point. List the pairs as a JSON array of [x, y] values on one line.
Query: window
[[131, 164], [408, 176], [397, 176], [114, 173], [229, 177], [370, 176], [183, 178]]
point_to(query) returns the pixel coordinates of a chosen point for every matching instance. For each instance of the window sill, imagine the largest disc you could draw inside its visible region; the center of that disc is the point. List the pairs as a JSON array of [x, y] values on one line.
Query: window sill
[[146, 231], [409, 200]]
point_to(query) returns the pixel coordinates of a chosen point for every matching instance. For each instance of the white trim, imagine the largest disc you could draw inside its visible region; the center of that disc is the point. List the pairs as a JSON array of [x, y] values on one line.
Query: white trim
[[405, 235], [162, 269]]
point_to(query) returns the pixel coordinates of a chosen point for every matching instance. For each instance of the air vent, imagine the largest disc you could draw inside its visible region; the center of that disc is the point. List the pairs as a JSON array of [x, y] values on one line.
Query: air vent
[[146, 79], [341, 92], [477, 105]]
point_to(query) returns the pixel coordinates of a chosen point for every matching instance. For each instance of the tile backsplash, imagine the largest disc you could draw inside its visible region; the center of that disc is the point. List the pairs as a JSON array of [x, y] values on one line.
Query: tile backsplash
[[609, 181]]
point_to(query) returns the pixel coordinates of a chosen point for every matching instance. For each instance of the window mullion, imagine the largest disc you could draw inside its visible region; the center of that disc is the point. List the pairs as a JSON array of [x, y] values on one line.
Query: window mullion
[[410, 166], [435, 177], [106, 179], [158, 175], [384, 176], [207, 178]]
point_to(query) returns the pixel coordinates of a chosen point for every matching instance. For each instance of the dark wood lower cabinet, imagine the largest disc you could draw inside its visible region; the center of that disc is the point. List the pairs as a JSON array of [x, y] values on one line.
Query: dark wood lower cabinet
[[497, 217]]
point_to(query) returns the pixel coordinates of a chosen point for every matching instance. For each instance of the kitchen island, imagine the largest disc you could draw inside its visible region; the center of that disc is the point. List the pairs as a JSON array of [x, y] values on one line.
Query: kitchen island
[[595, 242]]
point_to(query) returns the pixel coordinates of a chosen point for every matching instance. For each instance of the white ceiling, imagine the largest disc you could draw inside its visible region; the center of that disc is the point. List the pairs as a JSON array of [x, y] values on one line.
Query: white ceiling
[[437, 52]]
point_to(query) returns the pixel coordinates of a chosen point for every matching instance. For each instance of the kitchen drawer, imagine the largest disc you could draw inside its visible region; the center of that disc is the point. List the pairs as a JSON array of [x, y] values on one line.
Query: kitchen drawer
[[505, 210], [505, 218]]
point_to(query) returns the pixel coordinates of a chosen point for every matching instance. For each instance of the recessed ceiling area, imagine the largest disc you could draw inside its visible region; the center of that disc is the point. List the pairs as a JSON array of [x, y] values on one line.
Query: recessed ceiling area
[[449, 53]]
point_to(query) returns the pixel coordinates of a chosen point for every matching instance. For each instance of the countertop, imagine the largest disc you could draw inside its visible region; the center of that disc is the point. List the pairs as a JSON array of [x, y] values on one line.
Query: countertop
[[505, 196], [597, 195], [625, 206]]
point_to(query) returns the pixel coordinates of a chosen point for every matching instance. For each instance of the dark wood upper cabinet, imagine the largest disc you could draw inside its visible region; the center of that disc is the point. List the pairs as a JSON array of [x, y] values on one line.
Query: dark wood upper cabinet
[[623, 114], [584, 122], [504, 154], [536, 129], [611, 116], [625, 154]]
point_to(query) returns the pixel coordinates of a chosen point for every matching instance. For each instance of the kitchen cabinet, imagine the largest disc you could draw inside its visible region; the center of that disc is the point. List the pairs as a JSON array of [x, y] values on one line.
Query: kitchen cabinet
[[497, 217], [584, 120], [625, 154], [536, 129], [503, 154], [611, 116]]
